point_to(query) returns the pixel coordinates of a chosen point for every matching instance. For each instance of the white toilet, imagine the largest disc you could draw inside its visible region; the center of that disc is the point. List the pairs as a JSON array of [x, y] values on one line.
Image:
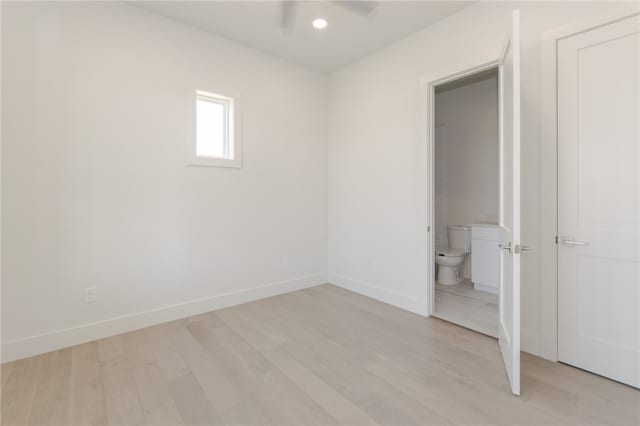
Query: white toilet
[[450, 261]]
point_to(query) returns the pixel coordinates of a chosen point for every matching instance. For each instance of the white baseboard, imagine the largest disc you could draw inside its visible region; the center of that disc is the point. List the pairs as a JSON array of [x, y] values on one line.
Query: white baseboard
[[42, 343], [398, 300]]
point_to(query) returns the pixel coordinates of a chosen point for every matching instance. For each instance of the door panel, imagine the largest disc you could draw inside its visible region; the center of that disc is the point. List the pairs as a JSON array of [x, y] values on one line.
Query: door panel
[[599, 200], [509, 319], [608, 142]]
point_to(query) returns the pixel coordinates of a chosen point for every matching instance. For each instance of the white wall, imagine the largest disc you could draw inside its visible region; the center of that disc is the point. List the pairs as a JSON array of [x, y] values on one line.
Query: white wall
[[467, 158], [377, 161], [97, 110], [470, 116]]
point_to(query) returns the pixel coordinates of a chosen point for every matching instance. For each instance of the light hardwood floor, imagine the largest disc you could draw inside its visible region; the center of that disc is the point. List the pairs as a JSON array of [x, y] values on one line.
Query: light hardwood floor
[[320, 356]]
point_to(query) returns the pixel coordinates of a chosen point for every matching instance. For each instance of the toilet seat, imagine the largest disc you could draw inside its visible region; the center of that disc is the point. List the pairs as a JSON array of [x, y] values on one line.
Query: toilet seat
[[450, 253], [449, 262]]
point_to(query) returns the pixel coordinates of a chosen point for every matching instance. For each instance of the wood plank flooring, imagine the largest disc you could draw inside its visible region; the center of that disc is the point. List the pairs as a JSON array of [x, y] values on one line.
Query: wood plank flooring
[[320, 356]]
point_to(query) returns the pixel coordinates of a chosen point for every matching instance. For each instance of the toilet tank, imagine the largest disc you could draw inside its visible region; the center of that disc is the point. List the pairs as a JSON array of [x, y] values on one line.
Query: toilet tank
[[459, 237]]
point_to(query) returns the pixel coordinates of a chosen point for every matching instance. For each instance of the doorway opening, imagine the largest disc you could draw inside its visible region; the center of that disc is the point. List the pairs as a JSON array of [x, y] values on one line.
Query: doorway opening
[[465, 201], [507, 67]]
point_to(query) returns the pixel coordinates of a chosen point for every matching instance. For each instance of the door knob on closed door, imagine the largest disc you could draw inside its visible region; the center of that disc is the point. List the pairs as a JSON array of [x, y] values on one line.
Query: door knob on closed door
[[572, 242]]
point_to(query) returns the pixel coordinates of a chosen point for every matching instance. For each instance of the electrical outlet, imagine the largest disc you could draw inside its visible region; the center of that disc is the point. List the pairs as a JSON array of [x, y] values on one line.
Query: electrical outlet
[[89, 295], [285, 260]]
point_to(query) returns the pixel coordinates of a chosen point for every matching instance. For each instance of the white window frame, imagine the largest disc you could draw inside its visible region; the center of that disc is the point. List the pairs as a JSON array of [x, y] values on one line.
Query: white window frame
[[233, 137]]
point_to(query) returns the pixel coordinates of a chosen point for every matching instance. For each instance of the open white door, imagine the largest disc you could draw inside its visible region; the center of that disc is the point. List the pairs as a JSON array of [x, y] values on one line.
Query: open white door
[[509, 321]]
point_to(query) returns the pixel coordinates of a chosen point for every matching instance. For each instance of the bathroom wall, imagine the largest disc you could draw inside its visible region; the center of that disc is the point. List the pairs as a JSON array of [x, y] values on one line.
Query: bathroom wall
[[466, 156]]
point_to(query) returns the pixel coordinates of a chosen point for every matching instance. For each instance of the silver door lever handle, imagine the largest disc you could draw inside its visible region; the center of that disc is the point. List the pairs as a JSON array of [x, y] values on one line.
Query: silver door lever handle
[[574, 242], [517, 249], [521, 248], [506, 247]]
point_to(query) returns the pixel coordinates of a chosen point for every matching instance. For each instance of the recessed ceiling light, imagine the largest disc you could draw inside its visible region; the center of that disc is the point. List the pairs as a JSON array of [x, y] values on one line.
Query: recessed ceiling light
[[319, 23]]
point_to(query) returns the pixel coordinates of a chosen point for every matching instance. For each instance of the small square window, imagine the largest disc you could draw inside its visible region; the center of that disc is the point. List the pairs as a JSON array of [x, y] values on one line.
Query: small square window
[[217, 130]]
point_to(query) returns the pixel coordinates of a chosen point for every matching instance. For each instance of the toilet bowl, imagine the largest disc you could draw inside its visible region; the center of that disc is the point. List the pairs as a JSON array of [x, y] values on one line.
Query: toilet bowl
[[450, 261], [449, 264]]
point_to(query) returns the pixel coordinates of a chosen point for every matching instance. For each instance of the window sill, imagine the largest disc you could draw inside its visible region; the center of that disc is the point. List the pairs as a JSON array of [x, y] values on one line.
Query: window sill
[[215, 162]]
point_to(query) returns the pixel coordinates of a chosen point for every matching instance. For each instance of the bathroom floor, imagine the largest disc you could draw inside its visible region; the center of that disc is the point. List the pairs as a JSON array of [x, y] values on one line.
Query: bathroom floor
[[463, 305]]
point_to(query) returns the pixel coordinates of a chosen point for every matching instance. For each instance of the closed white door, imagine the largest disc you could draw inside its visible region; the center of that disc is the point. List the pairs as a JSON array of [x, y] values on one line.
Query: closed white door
[[599, 201], [509, 312]]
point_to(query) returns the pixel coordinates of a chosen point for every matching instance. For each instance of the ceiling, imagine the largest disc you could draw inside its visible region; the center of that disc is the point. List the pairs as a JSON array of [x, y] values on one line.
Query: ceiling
[[348, 36]]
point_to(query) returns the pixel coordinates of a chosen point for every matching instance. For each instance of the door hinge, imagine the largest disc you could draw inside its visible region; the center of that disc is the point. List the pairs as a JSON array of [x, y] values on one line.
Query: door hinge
[[556, 240]]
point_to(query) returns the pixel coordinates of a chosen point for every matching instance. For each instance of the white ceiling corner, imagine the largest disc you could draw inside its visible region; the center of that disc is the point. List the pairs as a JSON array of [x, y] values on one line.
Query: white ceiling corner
[[348, 37]]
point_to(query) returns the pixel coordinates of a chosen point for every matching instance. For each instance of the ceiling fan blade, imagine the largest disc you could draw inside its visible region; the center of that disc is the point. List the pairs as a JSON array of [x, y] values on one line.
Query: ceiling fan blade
[[287, 14], [360, 7]]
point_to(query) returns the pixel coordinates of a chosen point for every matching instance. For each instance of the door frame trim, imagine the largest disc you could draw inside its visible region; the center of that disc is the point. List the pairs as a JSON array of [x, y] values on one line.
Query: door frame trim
[[427, 87], [549, 169]]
